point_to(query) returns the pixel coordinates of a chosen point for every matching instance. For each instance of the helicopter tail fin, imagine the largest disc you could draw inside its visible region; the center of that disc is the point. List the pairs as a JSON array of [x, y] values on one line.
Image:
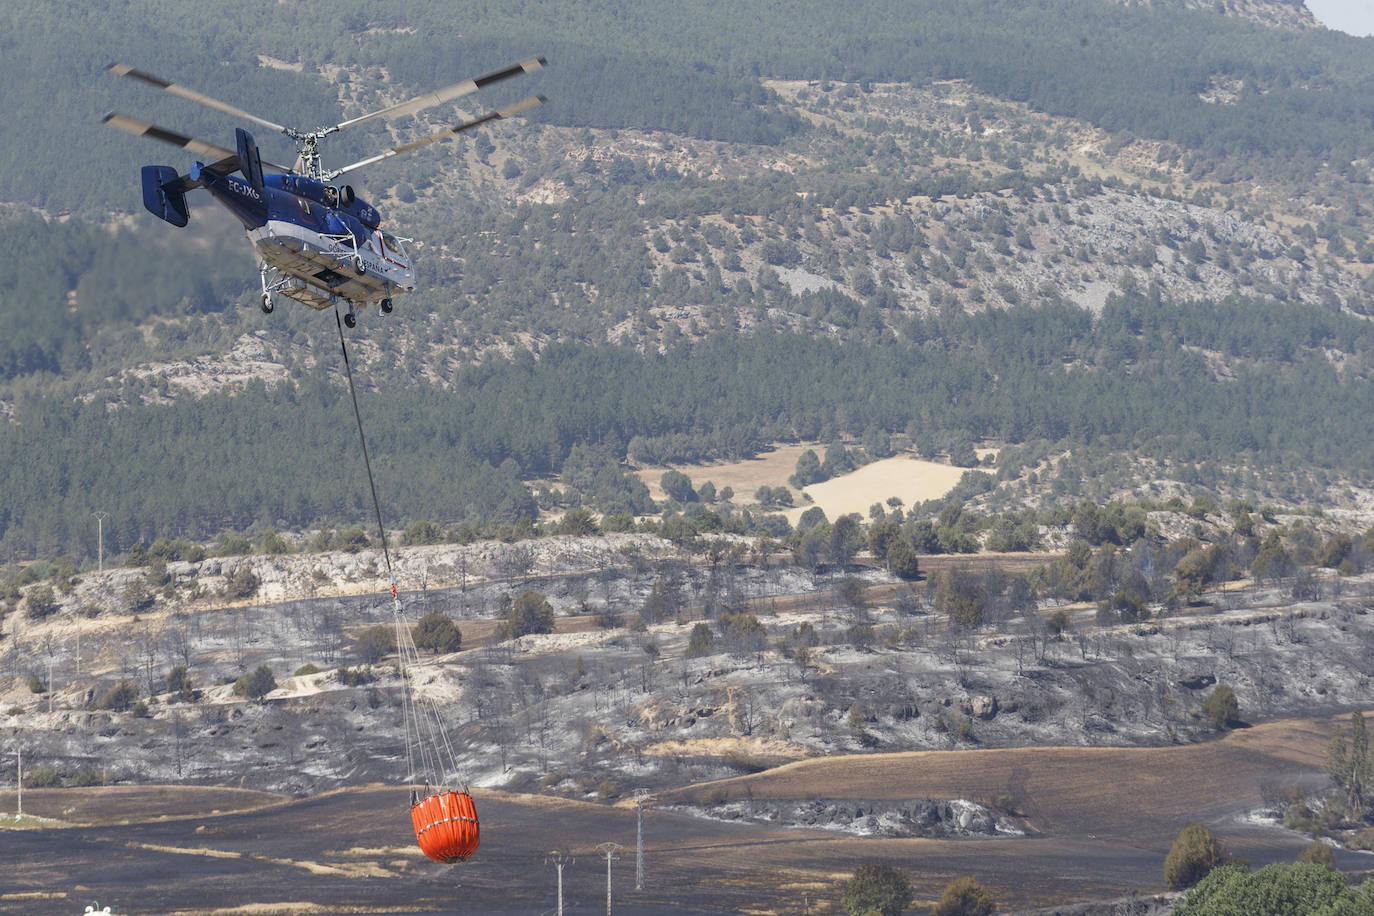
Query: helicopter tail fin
[[250, 161], [162, 195]]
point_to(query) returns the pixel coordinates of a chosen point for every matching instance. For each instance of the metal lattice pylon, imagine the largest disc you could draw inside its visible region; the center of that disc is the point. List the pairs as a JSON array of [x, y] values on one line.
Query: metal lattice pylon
[[643, 797]]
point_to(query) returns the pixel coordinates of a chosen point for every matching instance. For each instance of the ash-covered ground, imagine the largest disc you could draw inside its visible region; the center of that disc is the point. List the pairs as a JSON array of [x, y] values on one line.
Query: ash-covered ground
[[598, 708]]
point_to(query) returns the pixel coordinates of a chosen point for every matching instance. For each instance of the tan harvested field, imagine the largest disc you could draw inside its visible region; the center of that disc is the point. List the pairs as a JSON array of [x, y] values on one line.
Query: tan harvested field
[[1102, 792], [769, 469], [1102, 821], [910, 479]]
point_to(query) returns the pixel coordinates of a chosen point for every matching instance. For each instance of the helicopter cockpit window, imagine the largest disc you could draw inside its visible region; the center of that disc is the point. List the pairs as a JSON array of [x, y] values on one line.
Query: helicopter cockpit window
[[393, 244]]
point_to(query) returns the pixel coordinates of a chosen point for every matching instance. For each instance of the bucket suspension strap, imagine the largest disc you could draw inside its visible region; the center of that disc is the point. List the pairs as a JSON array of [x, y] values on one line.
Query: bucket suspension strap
[[422, 717]]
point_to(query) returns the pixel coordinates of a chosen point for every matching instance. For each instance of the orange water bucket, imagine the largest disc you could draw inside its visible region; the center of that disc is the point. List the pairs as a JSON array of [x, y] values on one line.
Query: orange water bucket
[[446, 826]]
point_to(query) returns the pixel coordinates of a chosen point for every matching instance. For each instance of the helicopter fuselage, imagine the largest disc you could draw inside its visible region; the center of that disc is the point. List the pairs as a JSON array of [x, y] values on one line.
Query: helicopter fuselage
[[319, 242]]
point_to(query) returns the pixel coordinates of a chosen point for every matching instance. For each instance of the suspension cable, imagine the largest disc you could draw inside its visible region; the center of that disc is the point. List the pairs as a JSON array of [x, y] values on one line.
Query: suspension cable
[[372, 483], [417, 713]]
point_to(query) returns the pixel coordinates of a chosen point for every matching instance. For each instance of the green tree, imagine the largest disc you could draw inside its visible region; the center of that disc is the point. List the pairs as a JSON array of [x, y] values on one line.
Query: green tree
[[375, 643], [701, 642], [677, 486], [1276, 890], [120, 697], [40, 601], [852, 591], [1195, 852], [438, 633], [1221, 706], [1272, 561], [243, 583], [1318, 853], [808, 470], [1349, 763], [902, 561], [180, 686], [255, 684], [529, 613], [422, 531], [876, 888], [960, 596], [964, 896]]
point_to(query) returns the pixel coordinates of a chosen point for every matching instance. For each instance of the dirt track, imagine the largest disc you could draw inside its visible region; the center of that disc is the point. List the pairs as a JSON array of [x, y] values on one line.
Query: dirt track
[[1104, 819]]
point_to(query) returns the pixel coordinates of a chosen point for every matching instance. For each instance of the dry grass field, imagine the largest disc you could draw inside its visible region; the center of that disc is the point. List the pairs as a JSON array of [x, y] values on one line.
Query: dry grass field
[[1101, 820], [909, 479]]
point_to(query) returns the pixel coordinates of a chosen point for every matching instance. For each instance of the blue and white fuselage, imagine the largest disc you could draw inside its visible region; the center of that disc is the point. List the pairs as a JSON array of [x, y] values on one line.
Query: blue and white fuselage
[[317, 243]]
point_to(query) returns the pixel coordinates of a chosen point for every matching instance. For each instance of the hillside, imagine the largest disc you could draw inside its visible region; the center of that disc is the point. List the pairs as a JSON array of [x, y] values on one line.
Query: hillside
[[759, 190], [813, 733]]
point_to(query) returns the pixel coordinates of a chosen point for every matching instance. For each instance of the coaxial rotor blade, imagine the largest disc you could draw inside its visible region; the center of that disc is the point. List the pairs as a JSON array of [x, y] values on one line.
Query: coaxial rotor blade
[[509, 111], [190, 144], [193, 95], [144, 129], [457, 90]]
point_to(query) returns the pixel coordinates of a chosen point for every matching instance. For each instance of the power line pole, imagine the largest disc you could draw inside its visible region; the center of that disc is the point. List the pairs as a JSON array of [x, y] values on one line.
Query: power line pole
[[642, 797], [19, 780], [100, 539], [560, 859], [609, 850]]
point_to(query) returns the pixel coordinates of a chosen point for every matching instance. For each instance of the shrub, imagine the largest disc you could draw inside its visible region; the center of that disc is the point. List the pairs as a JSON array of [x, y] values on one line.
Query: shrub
[[422, 532], [41, 602], [350, 540], [529, 613], [307, 668], [1196, 851], [375, 643], [255, 684], [437, 633], [964, 896], [356, 677], [701, 642], [180, 686], [137, 597], [1221, 706], [36, 684], [876, 888], [274, 544], [41, 777], [120, 697], [86, 777], [242, 584], [1276, 890], [1318, 853]]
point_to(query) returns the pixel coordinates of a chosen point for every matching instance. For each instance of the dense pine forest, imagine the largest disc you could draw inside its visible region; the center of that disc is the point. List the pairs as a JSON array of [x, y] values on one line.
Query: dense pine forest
[[1122, 233]]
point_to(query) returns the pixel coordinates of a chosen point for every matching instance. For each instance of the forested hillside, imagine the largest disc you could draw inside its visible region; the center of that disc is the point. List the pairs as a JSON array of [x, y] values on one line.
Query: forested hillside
[[1139, 234]]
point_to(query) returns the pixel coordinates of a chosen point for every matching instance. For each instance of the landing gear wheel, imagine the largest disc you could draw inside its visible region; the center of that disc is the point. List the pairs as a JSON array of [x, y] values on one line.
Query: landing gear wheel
[[351, 321], [358, 265], [386, 306], [267, 304]]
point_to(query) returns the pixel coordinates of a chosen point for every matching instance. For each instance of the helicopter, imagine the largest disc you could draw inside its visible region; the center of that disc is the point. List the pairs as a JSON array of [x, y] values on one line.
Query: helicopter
[[317, 242]]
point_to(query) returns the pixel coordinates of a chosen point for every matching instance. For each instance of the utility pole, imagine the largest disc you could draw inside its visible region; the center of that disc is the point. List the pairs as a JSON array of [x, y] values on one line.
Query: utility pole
[[19, 780], [100, 539], [642, 797], [560, 859], [609, 850]]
